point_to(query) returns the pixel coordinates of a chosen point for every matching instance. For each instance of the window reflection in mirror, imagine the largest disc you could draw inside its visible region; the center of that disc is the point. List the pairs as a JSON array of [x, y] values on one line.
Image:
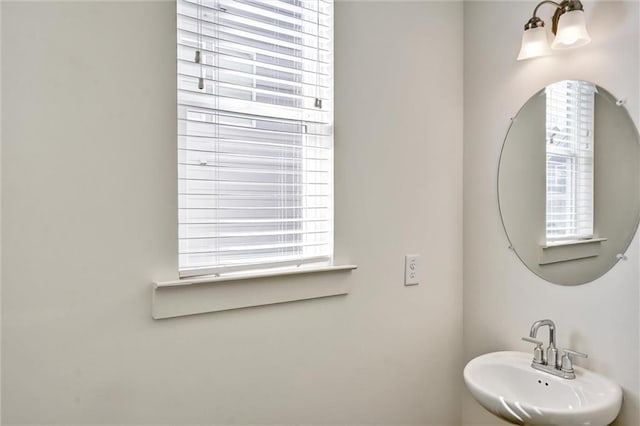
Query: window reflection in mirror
[[569, 160]]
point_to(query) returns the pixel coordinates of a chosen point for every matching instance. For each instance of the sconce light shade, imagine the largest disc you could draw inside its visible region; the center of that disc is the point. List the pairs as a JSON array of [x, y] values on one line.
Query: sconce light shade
[[534, 44], [572, 31]]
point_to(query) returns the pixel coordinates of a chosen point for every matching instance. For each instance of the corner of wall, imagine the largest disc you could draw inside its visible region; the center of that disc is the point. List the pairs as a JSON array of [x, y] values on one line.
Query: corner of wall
[[0, 210]]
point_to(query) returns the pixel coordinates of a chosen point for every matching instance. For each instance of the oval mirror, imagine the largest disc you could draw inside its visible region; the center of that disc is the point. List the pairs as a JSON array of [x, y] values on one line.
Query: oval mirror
[[569, 182]]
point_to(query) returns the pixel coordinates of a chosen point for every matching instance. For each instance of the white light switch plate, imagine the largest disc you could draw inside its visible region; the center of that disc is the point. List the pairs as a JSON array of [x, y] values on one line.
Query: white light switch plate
[[412, 269]]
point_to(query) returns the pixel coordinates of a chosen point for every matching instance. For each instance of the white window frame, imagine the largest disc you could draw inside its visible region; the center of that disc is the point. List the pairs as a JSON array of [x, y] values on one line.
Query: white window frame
[[209, 14]]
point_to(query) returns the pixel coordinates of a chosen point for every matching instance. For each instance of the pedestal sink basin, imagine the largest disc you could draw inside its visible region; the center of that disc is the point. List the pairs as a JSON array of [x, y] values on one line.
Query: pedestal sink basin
[[505, 384]]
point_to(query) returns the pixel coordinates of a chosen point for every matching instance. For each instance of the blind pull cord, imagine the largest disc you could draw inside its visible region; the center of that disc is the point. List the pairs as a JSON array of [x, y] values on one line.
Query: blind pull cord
[[198, 58], [318, 102]]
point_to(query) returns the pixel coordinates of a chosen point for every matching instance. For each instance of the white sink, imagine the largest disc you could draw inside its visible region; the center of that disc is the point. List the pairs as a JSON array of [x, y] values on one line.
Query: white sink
[[505, 384]]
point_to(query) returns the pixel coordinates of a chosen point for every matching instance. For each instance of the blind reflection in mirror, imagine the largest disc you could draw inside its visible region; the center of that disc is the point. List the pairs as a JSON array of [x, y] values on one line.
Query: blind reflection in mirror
[[569, 160]]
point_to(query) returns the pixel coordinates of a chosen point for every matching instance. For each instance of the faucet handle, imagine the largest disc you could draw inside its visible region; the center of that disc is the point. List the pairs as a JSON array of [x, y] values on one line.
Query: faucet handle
[[567, 362], [538, 354], [534, 341]]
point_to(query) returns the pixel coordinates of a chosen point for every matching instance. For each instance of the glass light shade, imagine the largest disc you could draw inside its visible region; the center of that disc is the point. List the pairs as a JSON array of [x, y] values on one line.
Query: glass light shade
[[572, 31], [534, 44]]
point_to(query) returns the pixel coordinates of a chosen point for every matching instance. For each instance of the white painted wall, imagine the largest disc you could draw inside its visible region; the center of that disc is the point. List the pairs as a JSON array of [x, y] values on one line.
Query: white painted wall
[[0, 212], [501, 297], [89, 213]]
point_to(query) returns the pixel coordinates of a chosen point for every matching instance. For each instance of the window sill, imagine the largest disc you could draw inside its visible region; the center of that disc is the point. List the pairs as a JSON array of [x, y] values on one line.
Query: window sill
[[564, 251], [212, 293]]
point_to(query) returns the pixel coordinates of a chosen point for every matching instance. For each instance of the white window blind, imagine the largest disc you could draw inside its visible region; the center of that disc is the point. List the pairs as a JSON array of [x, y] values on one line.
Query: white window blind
[[255, 134], [570, 109]]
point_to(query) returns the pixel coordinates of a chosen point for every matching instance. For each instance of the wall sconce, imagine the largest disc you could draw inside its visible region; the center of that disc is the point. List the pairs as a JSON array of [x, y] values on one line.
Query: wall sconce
[[568, 26]]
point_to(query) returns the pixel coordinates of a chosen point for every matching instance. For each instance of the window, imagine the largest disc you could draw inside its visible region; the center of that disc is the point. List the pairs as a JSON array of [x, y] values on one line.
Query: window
[[255, 134], [570, 109]]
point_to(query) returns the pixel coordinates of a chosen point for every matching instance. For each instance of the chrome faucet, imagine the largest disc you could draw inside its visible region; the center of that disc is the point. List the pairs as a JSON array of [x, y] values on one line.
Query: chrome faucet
[[549, 362], [552, 353]]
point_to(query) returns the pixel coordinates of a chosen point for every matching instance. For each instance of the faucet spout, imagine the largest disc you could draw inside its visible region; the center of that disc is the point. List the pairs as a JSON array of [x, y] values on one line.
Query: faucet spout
[[552, 330]]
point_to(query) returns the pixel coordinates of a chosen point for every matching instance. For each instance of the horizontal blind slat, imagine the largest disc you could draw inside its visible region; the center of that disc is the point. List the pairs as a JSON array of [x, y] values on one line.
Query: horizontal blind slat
[[230, 50], [305, 8], [225, 29], [232, 105], [187, 67], [246, 17], [257, 264]]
